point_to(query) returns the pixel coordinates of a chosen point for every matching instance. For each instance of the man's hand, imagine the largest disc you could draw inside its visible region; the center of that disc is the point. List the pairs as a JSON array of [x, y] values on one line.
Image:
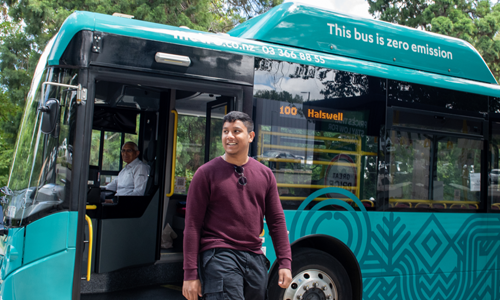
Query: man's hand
[[191, 289], [285, 278]]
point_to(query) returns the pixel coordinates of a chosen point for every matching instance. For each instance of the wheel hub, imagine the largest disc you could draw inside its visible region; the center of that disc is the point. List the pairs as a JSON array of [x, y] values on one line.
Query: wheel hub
[[314, 294], [311, 284]]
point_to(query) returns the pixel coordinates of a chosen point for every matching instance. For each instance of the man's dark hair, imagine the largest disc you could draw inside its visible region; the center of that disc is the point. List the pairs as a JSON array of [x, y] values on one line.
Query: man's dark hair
[[241, 116]]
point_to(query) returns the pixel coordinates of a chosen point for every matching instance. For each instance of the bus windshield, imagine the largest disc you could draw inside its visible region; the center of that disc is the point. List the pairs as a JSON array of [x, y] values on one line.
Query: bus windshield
[[42, 162]]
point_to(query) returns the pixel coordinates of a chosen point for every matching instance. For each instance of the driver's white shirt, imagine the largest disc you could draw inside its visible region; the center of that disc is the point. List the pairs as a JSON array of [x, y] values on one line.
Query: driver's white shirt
[[131, 180]]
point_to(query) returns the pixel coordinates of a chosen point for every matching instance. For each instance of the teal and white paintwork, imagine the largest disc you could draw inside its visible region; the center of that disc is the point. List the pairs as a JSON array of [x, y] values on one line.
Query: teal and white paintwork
[[405, 255], [475, 78], [303, 26], [39, 259]]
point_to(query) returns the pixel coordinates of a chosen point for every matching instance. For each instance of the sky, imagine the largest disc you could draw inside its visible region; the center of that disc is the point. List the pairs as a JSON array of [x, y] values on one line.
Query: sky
[[350, 7]]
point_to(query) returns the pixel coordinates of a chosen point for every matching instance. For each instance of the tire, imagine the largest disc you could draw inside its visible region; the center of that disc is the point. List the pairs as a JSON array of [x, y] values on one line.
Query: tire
[[316, 276]]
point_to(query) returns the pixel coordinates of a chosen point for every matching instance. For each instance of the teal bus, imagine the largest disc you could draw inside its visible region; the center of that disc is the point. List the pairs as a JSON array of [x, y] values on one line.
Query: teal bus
[[384, 140]]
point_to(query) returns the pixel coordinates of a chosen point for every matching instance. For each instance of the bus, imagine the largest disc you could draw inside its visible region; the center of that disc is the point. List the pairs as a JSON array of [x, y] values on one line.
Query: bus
[[384, 141]]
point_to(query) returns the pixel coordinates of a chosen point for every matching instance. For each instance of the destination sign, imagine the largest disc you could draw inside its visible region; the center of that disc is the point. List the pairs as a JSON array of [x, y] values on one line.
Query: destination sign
[[296, 110], [320, 114]]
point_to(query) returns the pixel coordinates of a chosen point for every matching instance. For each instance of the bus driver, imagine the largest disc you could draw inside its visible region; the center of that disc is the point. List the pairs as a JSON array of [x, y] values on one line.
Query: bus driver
[[133, 178]]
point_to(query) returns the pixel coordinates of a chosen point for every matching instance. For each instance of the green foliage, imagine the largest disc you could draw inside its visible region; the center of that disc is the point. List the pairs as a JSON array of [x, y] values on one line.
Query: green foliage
[[475, 21], [6, 148], [16, 67], [408, 13]]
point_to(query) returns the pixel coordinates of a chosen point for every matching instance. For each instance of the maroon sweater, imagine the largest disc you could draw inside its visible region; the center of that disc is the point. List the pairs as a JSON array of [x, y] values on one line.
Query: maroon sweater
[[221, 213]]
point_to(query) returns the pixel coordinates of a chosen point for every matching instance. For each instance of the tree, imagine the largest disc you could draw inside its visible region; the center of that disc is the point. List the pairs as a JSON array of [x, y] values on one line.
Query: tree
[[6, 144], [16, 57], [475, 21]]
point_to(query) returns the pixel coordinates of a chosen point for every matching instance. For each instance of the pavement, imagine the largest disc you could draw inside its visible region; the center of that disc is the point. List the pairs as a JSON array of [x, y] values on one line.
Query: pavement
[[164, 292]]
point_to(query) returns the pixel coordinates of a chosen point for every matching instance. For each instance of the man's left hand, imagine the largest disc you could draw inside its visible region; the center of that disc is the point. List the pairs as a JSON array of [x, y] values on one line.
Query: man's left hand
[[285, 278]]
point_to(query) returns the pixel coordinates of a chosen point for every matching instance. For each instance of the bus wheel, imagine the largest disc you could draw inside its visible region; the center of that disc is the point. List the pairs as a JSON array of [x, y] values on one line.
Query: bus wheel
[[315, 276]]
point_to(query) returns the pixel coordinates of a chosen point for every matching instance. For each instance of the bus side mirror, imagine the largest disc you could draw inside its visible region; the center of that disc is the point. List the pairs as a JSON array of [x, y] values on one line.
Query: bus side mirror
[[50, 111]]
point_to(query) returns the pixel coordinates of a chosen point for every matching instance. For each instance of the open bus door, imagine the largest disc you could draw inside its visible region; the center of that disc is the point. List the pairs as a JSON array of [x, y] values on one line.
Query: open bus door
[[124, 228]]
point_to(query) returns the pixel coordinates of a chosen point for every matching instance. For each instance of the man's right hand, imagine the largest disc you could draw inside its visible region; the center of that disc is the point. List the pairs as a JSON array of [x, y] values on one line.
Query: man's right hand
[[191, 289]]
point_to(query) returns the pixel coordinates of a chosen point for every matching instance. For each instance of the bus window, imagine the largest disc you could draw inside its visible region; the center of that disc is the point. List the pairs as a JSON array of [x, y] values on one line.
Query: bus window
[[319, 128], [430, 169], [434, 98], [111, 155], [494, 170], [94, 148]]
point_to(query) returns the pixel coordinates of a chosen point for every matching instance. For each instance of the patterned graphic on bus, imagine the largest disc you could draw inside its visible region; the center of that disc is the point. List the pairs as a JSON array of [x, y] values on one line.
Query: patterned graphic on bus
[[409, 255]]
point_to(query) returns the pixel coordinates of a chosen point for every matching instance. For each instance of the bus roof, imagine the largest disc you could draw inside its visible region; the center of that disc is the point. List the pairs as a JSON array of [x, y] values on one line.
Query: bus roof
[[308, 27], [283, 46]]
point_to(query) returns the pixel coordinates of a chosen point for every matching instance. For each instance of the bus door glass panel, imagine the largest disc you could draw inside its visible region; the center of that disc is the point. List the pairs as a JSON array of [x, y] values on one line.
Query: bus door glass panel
[[216, 110], [494, 170], [191, 132], [318, 129], [430, 169]]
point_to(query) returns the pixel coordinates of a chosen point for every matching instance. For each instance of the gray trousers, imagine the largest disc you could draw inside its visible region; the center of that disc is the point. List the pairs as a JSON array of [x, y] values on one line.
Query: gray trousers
[[227, 274]]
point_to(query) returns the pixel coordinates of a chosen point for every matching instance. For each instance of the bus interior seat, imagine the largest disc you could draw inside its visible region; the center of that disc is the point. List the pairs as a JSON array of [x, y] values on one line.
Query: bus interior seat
[[439, 205], [423, 205], [403, 205]]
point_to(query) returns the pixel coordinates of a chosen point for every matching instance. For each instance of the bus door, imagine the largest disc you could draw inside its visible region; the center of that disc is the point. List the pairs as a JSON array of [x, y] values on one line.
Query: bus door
[[197, 134], [124, 226], [434, 161], [175, 128]]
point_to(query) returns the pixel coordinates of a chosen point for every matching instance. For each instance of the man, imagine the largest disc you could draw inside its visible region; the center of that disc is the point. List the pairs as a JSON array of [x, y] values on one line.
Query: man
[[133, 178], [226, 203]]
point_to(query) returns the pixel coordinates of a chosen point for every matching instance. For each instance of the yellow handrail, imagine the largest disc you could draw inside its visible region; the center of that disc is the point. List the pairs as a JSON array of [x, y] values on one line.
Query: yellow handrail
[[91, 207], [303, 161], [318, 150], [313, 186], [324, 138], [434, 201], [358, 154], [372, 204], [295, 198], [174, 153], [91, 233]]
